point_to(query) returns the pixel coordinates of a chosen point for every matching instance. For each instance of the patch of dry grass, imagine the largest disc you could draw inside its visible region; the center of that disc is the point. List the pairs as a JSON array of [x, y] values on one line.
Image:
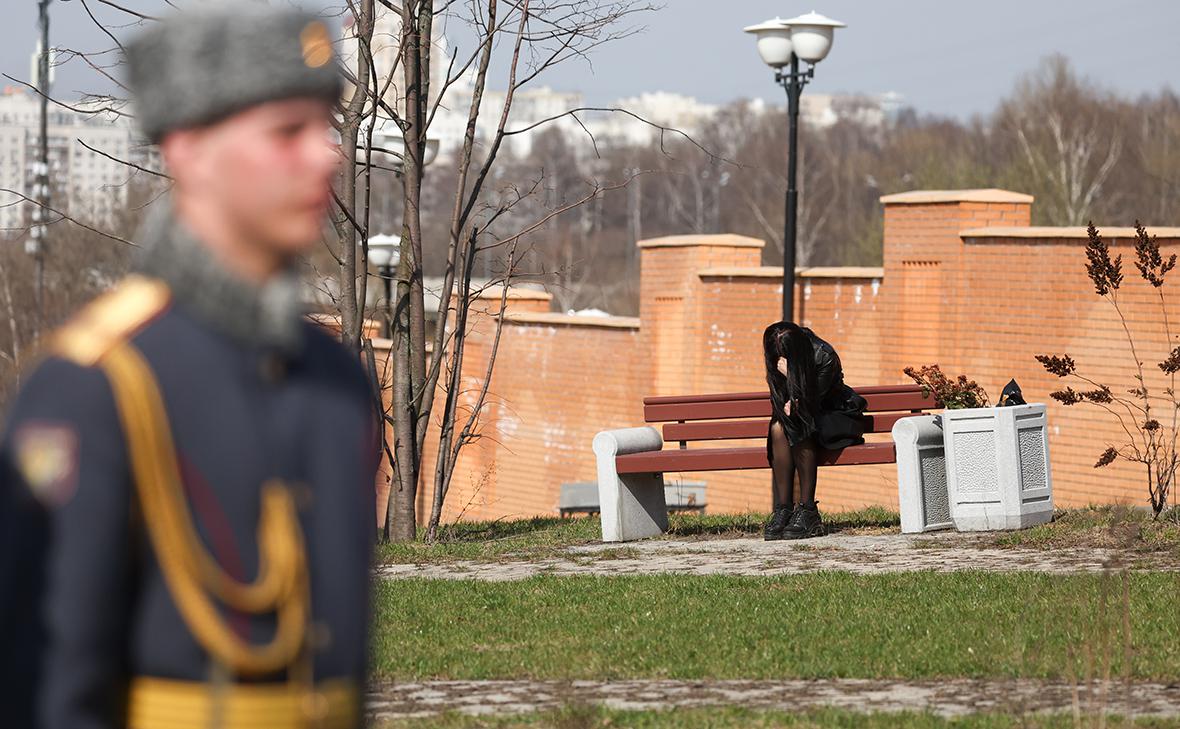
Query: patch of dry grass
[[1103, 527]]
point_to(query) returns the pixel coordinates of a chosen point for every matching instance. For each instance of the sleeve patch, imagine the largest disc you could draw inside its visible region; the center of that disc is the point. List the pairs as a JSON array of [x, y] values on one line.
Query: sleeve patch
[[47, 458]]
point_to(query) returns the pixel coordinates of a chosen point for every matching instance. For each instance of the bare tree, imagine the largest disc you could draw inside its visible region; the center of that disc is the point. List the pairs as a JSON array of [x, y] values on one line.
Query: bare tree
[[535, 35], [1158, 137], [1067, 141]]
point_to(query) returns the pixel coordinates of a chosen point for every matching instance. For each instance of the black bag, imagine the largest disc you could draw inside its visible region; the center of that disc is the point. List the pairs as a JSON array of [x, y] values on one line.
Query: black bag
[[1011, 395]]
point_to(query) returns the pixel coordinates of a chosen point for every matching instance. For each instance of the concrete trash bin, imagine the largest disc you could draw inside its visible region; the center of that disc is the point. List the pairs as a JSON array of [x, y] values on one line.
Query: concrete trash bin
[[997, 467]]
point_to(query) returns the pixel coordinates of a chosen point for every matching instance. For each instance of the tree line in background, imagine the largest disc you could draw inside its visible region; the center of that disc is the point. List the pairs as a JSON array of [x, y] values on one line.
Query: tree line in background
[[1083, 152]]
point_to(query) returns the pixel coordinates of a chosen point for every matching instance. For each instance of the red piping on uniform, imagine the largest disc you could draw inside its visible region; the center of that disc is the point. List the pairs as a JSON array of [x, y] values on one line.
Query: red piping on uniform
[[225, 546]]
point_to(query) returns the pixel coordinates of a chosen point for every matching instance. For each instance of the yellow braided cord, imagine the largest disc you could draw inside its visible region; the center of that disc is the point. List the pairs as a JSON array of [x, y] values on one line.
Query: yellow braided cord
[[190, 572]]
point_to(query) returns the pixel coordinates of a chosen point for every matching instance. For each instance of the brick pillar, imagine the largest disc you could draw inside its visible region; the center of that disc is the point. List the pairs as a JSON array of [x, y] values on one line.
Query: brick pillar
[[672, 325], [923, 256]]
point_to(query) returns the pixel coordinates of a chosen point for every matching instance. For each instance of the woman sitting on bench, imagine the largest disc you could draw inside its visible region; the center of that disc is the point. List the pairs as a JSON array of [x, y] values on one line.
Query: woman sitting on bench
[[812, 410]]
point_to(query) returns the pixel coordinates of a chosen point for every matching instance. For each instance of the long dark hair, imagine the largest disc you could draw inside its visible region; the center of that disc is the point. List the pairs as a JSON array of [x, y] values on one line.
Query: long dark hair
[[800, 386]]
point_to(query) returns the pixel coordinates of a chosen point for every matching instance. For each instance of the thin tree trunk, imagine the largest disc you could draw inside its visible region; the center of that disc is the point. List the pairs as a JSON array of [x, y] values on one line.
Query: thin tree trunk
[[444, 463], [12, 327], [352, 310], [409, 320]]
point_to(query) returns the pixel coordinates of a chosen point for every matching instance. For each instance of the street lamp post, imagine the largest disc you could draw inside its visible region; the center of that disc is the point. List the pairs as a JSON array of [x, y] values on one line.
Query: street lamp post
[[387, 136], [384, 253], [783, 43], [36, 243]]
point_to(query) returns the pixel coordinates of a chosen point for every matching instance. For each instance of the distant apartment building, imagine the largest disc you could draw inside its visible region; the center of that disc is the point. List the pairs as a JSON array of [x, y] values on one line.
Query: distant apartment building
[[662, 108], [541, 106], [824, 110], [86, 175]]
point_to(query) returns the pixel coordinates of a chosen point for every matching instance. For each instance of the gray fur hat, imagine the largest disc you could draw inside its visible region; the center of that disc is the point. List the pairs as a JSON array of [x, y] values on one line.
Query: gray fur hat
[[206, 63]]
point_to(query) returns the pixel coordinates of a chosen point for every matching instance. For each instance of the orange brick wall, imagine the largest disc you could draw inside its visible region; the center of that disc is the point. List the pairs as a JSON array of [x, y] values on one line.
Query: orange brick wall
[[1045, 304], [558, 380], [982, 305]]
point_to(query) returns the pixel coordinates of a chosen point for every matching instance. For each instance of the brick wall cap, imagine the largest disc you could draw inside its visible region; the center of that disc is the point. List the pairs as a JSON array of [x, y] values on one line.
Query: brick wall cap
[[556, 317], [776, 272], [514, 292], [1006, 231], [724, 240], [333, 320], [322, 317], [384, 345], [989, 195]]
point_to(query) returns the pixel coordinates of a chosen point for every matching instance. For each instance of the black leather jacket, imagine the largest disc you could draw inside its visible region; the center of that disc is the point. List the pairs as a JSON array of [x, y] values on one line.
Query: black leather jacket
[[829, 373]]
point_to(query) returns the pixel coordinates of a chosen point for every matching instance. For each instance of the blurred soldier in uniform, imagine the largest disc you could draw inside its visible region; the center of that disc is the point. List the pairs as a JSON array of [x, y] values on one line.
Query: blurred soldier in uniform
[[191, 464]]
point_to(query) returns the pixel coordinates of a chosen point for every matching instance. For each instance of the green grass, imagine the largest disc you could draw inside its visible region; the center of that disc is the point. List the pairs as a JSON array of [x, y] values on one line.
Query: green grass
[[739, 718], [1117, 527], [539, 538], [906, 625]]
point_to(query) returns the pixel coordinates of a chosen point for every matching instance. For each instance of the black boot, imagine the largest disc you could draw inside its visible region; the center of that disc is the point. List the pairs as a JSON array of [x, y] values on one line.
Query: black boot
[[804, 522], [778, 522]]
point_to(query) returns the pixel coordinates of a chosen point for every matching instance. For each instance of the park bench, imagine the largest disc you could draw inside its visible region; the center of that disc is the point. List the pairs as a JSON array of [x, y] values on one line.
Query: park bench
[[632, 461]]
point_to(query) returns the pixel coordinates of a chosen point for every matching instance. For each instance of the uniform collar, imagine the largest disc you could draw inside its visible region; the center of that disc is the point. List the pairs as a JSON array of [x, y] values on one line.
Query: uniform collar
[[267, 316]]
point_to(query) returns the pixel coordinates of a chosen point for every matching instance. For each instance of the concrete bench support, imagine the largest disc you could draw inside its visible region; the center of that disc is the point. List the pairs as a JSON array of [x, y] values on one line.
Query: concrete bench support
[[921, 475], [632, 504]]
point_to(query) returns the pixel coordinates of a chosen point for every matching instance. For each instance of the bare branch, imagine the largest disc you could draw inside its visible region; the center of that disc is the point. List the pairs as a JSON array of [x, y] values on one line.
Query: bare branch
[[123, 161], [64, 105], [62, 216], [129, 11]]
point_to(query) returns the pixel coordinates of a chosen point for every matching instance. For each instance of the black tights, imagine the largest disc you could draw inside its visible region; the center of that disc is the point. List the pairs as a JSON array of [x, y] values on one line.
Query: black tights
[[787, 461]]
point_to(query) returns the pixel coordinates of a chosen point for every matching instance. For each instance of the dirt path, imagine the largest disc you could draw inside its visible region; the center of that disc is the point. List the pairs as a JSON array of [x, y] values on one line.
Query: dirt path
[[953, 697], [861, 554]]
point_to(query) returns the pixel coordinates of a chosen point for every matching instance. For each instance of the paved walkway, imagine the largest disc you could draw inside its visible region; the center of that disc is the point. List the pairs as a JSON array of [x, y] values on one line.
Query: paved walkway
[[859, 554], [949, 698]]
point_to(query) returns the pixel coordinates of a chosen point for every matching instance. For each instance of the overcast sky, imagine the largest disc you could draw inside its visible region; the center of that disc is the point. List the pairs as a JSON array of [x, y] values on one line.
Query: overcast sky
[[948, 57]]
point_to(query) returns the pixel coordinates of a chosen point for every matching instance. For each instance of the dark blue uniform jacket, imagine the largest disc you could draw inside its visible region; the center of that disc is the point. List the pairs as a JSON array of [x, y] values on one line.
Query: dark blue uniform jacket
[[83, 605]]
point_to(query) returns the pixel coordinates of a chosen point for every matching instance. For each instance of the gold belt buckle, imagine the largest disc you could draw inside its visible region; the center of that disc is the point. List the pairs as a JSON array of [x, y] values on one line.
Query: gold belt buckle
[[157, 703]]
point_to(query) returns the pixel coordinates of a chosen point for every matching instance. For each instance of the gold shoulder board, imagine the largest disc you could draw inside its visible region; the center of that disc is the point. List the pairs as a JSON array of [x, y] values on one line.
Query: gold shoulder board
[[110, 319]]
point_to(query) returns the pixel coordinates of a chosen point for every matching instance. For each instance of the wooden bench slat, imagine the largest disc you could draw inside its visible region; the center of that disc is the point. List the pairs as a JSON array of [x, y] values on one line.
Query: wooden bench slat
[[735, 429], [760, 408], [726, 459], [864, 390]]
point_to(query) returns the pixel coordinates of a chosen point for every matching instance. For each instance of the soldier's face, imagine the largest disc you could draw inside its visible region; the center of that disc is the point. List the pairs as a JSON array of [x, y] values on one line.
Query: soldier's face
[[268, 170]]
